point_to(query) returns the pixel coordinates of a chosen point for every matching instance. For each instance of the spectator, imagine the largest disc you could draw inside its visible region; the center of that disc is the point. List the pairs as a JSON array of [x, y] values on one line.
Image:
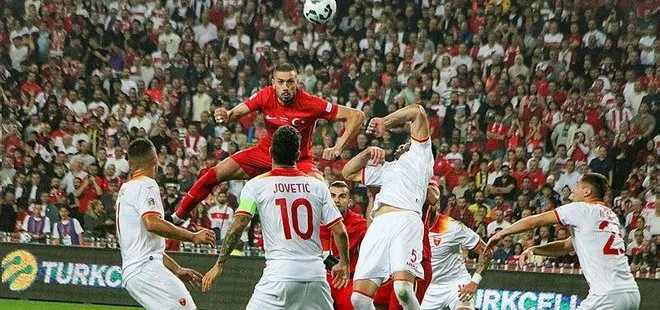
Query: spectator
[[505, 249], [36, 225], [635, 246], [97, 221], [220, 214], [497, 223], [67, 231], [645, 260]]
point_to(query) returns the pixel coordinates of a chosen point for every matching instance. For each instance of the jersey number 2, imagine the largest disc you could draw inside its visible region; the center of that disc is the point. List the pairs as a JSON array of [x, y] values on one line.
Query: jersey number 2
[[607, 248], [284, 210]]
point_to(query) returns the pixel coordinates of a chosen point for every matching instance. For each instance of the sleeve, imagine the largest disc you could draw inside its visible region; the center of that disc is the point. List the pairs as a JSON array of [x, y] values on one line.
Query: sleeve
[[372, 175], [46, 226], [56, 232], [149, 201], [571, 214], [256, 101], [248, 204], [322, 108], [467, 237], [76, 226], [329, 214], [24, 226]]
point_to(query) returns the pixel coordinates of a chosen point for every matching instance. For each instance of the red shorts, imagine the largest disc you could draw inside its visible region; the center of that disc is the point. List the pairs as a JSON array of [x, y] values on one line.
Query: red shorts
[[256, 161], [342, 296]]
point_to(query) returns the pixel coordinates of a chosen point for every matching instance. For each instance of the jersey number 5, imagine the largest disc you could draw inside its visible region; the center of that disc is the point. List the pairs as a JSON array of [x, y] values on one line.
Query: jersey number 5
[[284, 210], [607, 248]]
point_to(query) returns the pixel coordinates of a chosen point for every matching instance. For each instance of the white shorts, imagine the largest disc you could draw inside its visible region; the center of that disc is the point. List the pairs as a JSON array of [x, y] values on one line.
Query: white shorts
[[292, 295], [392, 243], [446, 295], [155, 287], [621, 301]]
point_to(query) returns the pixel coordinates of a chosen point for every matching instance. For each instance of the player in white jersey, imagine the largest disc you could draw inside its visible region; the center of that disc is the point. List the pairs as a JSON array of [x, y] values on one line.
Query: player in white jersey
[[595, 238], [451, 285], [152, 277], [392, 245], [292, 207]]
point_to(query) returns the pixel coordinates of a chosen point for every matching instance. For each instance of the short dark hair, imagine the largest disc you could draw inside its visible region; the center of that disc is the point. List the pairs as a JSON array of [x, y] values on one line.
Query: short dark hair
[[598, 183], [284, 67], [339, 184], [285, 146], [140, 150]]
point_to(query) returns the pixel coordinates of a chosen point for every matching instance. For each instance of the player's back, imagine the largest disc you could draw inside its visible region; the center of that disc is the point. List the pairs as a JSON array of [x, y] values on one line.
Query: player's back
[[138, 197], [302, 114], [404, 182], [447, 237], [292, 207], [597, 240]]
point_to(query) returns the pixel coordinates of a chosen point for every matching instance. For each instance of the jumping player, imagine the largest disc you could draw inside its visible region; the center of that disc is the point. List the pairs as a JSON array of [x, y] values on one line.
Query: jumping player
[[595, 238], [283, 103], [385, 297], [292, 207], [395, 235], [356, 228], [451, 286], [149, 275]]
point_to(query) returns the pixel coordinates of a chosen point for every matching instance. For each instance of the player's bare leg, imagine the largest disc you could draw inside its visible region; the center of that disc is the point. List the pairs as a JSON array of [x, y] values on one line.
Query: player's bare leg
[[363, 294], [404, 289], [227, 169]]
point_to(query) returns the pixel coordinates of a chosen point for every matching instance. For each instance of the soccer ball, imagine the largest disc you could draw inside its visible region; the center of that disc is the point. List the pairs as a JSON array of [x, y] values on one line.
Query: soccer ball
[[319, 11]]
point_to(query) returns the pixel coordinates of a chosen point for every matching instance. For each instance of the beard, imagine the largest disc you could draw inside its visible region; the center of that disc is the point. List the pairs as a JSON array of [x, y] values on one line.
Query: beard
[[286, 97]]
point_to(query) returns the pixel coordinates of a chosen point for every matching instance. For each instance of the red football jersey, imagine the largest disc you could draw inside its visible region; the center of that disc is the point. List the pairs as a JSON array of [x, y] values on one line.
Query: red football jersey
[[302, 114]]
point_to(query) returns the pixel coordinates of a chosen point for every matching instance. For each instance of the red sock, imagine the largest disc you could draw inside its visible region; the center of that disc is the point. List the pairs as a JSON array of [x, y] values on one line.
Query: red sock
[[199, 191]]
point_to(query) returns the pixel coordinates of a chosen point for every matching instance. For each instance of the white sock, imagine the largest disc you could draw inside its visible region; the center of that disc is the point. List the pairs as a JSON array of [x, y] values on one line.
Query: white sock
[[362, 302], [406, 295]]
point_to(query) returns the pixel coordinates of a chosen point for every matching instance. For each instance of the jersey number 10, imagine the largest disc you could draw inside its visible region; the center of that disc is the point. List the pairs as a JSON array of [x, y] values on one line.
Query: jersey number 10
[[286, 223]]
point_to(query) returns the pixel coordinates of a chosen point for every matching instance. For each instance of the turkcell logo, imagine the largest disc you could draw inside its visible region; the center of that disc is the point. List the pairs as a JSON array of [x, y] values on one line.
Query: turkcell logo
[[20, 270], [487, 299]]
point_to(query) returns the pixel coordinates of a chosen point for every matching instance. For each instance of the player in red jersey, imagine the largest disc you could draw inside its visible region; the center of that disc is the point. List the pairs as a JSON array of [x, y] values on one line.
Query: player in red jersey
[[385, 297], [283, 103], [356, 227]]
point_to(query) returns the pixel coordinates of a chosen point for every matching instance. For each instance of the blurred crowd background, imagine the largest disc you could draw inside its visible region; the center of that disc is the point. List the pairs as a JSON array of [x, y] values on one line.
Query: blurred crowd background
[[523, 97]]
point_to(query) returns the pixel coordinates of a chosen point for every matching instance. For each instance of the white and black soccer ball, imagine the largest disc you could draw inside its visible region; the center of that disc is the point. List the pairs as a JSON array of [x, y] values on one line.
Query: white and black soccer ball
[[319, 11]]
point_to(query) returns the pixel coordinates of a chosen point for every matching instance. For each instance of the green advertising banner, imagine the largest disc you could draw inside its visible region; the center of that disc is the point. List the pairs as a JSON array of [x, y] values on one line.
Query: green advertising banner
[[93, 275]]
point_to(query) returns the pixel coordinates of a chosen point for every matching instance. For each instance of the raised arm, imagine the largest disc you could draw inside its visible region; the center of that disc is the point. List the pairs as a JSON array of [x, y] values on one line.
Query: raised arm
[[419, 128], [353, 169], [224, 116], [353, 119]]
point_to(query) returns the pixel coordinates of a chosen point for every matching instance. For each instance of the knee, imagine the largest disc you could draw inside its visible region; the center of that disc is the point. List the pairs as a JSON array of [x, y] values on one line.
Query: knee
[[404, 291], [361, 301]]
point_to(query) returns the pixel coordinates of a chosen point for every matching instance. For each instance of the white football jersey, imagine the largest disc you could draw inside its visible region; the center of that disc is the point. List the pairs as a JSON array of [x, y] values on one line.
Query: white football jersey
[[138, 197], [597, 240], [403, 182], [292, 207], [447, 237]]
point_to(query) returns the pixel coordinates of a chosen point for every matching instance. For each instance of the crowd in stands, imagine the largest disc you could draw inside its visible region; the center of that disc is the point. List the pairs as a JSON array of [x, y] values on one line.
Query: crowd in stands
[[523, 97]]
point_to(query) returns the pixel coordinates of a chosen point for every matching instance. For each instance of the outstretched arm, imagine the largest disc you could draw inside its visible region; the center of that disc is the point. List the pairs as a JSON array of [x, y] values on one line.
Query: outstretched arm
[[419, 129], [553, 249], [353, 119], [543, 219], [185, 274]]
